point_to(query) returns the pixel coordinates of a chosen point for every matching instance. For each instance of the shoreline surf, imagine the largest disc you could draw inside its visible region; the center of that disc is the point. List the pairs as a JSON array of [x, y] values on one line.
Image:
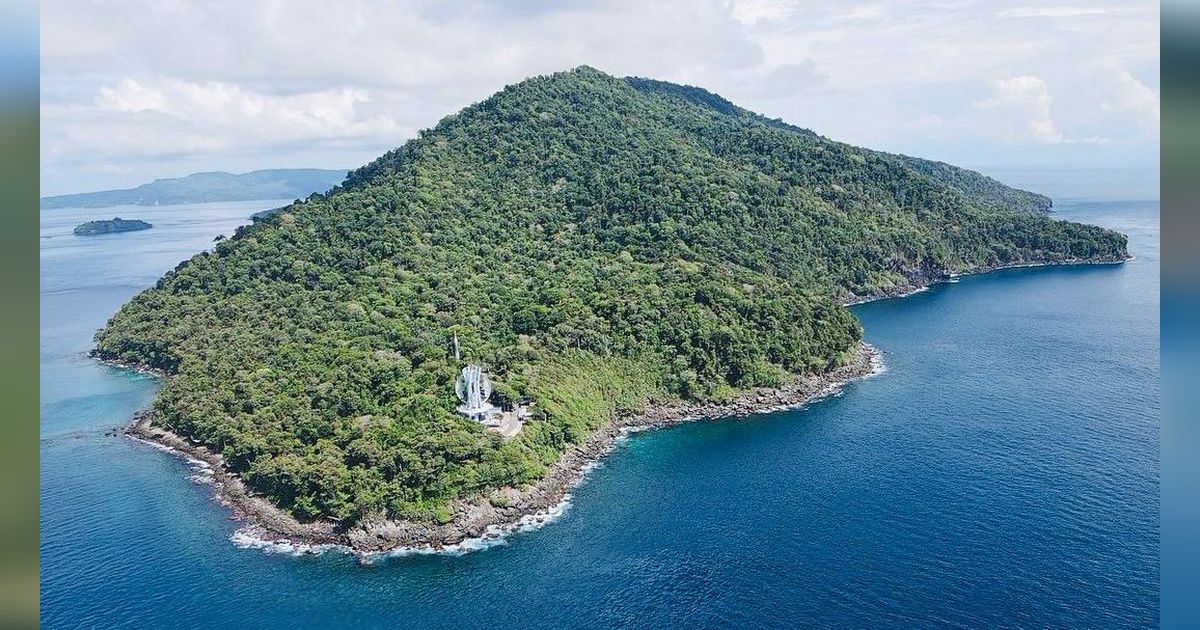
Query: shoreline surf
[[485, 521], [478, 522]]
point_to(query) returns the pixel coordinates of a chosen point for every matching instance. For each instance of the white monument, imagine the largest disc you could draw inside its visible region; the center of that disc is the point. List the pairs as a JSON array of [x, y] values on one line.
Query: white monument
[[474, 389]]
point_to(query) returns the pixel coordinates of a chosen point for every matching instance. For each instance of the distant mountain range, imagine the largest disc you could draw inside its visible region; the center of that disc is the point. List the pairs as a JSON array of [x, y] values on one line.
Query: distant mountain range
[[284, 183]]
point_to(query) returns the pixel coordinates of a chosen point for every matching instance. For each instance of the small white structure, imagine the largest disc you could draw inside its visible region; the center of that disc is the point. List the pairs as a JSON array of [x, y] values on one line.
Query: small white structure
[[474, 389]]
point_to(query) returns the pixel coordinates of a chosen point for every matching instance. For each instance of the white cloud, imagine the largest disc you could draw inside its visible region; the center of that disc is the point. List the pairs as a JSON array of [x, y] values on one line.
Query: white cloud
[[1135, 98], [167, 117], [1050, 12], [751, 11], [261, 84], [215, 105], [785, 80], [130, 96], [1023, 103]]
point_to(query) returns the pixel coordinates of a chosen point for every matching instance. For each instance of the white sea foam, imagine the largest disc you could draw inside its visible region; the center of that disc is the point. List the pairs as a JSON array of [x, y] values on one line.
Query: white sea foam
[[202, 471], [246, 537], [498, 534], [878, 366], [162, 447], [493, 536], [253, 538], [250, 538]]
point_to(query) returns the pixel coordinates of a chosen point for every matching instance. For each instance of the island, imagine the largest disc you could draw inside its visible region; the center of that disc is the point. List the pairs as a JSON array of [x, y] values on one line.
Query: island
[[111, 226], [592, 254]]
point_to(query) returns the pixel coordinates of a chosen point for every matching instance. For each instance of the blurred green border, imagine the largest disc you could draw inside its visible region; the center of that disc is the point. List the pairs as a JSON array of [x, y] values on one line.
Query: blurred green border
[[1179, 469], [19, 316]]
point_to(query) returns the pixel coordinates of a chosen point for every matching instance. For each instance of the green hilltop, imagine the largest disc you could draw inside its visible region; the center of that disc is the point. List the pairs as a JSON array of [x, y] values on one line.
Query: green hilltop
[[596, 242]]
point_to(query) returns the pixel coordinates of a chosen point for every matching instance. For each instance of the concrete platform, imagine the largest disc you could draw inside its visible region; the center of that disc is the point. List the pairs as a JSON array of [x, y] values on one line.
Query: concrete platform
[[508, 426]]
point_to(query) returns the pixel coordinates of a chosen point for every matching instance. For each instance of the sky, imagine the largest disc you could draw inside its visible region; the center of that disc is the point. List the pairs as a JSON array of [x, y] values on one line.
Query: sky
[[133, 90]]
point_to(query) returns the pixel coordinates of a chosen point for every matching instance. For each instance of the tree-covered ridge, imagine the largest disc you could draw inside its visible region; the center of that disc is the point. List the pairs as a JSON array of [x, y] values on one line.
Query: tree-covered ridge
[[983, 191], [595, 242]]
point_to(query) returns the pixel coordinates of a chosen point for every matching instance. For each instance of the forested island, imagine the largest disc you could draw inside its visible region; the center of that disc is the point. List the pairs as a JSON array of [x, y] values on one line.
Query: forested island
[[110, 226], [607, 247]]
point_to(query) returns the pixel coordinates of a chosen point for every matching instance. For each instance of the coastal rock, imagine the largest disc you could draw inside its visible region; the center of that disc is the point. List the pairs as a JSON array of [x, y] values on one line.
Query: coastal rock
[[480, 517]]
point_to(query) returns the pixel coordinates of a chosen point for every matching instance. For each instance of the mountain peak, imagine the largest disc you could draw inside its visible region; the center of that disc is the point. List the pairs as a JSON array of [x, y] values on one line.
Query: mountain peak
[[585, 69]]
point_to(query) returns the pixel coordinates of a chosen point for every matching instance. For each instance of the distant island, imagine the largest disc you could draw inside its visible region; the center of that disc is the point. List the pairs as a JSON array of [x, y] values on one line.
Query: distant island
[[593, 254], [208, 187], [110, 226]]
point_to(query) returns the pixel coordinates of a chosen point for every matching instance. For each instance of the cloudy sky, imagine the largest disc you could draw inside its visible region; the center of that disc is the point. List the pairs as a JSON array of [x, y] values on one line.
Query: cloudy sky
[[133, 90]]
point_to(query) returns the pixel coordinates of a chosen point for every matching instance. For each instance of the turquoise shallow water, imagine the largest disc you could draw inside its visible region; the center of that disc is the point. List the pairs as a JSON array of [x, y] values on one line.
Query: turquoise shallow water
[[1002, 472]]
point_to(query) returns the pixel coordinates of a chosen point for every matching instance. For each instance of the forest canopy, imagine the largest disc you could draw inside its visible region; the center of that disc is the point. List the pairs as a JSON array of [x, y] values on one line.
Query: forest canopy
[[595, 242]]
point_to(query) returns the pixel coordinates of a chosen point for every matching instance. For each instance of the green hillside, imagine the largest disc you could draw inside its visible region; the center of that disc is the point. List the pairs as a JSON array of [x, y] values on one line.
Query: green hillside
[[596, 242]]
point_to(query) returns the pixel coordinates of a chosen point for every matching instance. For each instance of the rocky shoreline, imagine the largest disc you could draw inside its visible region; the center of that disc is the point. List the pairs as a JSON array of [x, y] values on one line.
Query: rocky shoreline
[[922, 279], [505, 510], [489, 517]]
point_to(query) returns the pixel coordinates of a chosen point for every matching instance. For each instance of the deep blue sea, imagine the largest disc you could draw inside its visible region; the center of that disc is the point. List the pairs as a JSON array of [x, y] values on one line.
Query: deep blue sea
[[1002, 472]]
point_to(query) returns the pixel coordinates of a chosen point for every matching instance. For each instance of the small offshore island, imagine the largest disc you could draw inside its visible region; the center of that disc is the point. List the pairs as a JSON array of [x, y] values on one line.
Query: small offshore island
[[111, 226], [438, 348]]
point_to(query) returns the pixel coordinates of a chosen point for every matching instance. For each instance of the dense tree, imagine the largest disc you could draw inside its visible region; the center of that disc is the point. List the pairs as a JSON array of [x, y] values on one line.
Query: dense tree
[[596, 242]]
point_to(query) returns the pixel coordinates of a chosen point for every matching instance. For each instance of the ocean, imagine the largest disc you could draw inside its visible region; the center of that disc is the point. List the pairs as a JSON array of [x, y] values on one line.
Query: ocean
[[1001, 472]]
